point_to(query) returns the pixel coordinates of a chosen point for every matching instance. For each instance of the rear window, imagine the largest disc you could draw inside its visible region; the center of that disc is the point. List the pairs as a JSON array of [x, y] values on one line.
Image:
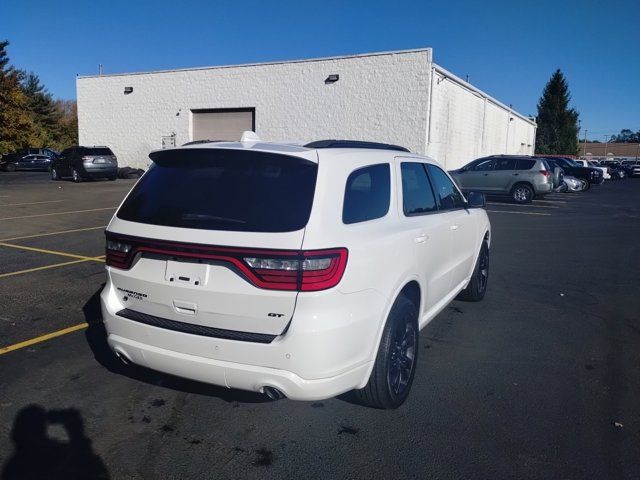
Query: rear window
[[217, 189], [367, 194], [97, 151]]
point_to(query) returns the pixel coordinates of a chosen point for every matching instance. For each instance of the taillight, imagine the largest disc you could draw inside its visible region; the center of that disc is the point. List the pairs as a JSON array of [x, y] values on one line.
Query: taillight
[[299, 270], [546, 173], [311, 270], [87, 158]]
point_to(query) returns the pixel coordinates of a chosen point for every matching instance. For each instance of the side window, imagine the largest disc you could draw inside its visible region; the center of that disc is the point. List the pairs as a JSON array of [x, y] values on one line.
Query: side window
[[417, 194], [367, 194], [505, 164], [483, 165], [525, 164], [449, 197]]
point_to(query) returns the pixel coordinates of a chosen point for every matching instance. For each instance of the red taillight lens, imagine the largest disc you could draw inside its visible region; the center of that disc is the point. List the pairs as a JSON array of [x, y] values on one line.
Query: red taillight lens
[[546, 173], [306, 271]]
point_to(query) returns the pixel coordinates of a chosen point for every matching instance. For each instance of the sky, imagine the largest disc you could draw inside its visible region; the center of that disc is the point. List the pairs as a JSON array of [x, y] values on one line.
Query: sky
[[509, 49]]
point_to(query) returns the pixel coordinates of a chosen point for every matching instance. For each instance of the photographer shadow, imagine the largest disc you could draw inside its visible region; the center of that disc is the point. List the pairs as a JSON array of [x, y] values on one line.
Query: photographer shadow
[[37, 455]]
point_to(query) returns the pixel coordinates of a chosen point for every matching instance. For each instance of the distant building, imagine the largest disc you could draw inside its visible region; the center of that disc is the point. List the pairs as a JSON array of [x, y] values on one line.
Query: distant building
[[602, 151], [397, 97]]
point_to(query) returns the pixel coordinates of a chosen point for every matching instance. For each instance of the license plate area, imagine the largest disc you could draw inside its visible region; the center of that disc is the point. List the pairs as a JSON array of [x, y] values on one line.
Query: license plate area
[[187, 273], [100, 160]]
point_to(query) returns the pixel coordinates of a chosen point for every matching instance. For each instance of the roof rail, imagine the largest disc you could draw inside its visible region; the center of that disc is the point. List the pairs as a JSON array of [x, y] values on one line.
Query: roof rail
[[354, 144]]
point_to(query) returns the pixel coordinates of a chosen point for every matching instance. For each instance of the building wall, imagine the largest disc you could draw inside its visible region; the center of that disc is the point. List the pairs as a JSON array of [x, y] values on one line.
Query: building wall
[[379, 97], [393, 97], [466, 123]]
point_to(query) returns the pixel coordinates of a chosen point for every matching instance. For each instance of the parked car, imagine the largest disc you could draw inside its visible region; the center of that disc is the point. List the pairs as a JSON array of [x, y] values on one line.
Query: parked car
[[616, 169], [634, 170], [81, 163], [12, 163], [292, 271], [572, 184], [520, 177], [592, 164], [592, 176], [28, 159]]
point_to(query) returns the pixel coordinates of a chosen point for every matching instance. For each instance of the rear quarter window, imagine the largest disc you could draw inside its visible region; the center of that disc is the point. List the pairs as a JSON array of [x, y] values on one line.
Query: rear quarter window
[[367, 194], [525, 164]]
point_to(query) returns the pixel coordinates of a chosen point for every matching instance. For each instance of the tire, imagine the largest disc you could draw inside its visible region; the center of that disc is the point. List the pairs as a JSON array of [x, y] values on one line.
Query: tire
[[522, 193], [76, 176], [11, 167], [54, 174], [395, 365], [477, 287], [587, 184]]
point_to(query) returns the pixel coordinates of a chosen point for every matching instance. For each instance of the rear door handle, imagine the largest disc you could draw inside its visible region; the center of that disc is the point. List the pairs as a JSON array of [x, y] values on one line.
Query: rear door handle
[[454, 227], [421, 238], [516, 174]]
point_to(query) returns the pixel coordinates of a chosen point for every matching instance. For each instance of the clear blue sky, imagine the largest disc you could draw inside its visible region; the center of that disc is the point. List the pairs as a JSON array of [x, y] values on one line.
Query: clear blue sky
[[508, 48]]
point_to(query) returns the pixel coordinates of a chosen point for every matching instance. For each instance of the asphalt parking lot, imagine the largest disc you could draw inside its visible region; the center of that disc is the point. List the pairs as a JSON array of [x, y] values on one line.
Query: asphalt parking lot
[[540, 380]]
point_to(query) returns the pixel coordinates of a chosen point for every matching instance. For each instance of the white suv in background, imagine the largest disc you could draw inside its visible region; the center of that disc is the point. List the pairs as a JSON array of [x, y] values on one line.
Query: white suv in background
[[293, 271]]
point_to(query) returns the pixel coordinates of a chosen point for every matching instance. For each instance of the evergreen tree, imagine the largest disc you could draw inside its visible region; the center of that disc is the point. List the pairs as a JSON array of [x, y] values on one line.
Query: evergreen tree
[[44, 113], [557, 123]]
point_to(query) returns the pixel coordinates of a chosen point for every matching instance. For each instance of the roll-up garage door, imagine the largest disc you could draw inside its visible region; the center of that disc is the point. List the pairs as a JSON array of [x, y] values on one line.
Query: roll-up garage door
[[227, 124]]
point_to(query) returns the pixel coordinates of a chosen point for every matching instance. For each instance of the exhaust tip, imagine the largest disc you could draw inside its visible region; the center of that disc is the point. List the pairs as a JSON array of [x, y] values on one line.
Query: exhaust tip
[[273, 393], [122, 357]]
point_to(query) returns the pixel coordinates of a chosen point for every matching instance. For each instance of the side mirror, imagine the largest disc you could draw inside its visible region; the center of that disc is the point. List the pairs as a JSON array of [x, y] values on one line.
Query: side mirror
[[476, 200]]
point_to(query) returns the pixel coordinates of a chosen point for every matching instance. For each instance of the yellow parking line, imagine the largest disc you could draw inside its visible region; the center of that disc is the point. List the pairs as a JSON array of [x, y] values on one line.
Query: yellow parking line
[[51, 233], [29, 203], [45, 267], [42, 338], [58, 213], [51, 252]]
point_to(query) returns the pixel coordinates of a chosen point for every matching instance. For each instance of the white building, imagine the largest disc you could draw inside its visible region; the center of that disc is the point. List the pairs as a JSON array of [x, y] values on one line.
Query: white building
[[399, 97]]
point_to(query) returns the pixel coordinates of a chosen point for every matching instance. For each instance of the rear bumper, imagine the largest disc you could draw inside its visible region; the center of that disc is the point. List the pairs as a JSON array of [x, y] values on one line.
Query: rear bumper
[[236, 375], [543, 188], [99, 172], [328, 348]]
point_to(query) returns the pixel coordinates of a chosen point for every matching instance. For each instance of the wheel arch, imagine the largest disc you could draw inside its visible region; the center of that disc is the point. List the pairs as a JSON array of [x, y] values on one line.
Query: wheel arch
[[412, 288]]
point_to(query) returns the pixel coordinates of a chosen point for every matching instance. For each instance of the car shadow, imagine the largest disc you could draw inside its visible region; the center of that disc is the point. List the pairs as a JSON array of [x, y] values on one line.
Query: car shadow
[[38, 455], [96, 336]]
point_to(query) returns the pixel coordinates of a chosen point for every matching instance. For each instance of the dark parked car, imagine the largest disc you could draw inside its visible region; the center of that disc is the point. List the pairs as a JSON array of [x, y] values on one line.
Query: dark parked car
[[593, 176], [28, 159], [82, 163]]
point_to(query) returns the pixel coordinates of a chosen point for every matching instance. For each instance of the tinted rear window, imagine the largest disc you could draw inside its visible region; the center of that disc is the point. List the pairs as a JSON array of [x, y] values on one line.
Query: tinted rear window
[[367, 194], [525, 164], [97, 151], [216, 189]]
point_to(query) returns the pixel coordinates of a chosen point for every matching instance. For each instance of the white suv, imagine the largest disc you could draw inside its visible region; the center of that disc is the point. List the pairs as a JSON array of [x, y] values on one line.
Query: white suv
[[294, 271]]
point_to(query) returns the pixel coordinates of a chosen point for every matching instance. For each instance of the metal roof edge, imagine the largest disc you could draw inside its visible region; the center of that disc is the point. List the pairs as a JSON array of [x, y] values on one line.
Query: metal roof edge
[[259, 64], [470, 87]]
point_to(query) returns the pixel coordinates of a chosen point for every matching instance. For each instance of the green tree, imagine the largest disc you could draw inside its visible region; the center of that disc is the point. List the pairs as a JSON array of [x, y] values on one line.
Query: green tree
[[43, 111], [17, 128], [557, 123], [626, 136]]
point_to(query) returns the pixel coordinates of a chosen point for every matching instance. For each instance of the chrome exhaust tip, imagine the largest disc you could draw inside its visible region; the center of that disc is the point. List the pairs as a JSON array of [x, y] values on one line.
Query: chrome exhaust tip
[[123, 358], [273, 393]]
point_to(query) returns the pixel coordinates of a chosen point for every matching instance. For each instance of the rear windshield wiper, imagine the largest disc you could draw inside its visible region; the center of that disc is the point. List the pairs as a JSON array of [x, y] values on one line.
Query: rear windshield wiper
[[201, 216]]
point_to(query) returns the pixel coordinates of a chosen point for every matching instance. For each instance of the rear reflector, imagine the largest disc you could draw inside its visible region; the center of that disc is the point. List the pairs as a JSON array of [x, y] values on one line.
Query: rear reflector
[[299, 270]]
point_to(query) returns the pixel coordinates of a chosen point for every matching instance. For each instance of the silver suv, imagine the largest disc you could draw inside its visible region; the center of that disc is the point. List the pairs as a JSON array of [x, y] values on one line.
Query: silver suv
[[520, 177]]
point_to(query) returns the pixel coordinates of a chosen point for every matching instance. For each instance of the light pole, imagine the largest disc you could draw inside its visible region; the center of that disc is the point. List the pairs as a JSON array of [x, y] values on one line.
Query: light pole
[[606, 140], [584, 151]]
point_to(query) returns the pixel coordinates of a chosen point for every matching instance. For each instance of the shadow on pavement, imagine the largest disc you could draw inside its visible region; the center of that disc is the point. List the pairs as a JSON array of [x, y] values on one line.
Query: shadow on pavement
[[96, 336], [37, 455]]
